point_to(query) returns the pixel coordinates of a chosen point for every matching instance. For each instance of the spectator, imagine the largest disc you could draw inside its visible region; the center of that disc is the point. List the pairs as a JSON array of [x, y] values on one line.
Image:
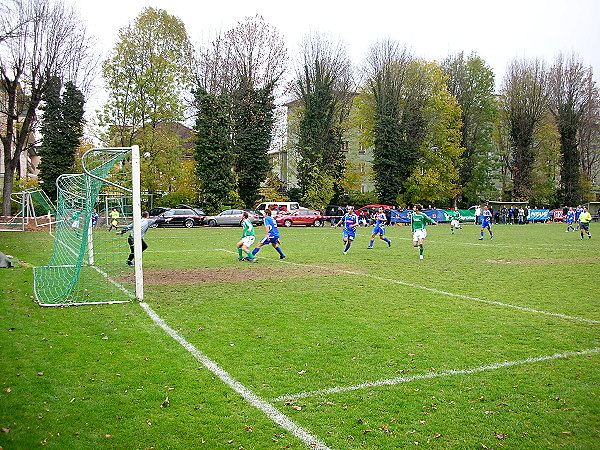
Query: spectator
[[504, 214]]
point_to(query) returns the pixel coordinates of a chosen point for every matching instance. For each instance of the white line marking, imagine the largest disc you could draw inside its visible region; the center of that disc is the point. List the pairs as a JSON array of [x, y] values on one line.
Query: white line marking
[[399, 380], [271, 411], [437, 291]]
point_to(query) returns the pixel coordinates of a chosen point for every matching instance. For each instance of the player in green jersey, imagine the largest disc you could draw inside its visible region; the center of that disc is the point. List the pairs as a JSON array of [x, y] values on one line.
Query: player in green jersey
[[247, 240], [584, 223], [418, 223]]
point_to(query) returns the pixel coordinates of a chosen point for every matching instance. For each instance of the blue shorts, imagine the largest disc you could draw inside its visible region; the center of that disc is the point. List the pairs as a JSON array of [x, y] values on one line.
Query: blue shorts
[[269, 240], [379, 230], [486, 223], [349, 235]]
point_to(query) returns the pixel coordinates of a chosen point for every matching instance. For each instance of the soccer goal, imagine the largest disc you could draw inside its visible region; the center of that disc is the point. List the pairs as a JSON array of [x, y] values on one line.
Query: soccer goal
[[87, 265], [34, 207]]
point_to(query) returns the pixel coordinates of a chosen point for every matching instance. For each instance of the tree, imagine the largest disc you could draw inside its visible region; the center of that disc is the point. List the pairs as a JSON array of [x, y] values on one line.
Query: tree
[[148, 75], [46, 41], [435, 176], [393, 160], [62, 130], [471, 81], [213, 151], [245, 65], [320, 190], [162, 164], [252, 117], [323, 86], [524, 100], [570, 98]]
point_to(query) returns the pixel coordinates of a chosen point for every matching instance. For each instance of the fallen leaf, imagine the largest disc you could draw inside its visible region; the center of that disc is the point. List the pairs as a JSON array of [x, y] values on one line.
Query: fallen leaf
[[298, 408], [40, 374], [437, 435], [6, 430], [9, 390], [367, 431], [108, 436]]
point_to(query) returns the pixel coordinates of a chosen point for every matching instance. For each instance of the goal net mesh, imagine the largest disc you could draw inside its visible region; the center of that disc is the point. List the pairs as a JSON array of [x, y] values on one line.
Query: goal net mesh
[[87, 265]]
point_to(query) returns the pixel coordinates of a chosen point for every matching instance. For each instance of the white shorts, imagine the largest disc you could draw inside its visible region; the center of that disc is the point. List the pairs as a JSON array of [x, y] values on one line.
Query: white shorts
[[455, 223], [419, 234], [248, 240]]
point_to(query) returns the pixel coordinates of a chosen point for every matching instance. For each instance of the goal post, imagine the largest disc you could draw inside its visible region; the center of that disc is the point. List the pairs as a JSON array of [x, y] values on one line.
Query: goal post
[[88, 261]]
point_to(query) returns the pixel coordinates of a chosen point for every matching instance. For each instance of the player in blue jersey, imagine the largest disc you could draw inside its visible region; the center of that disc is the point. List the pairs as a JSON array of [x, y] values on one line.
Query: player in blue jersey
[[350, 222], [486, 222], [380, 221], [578, 212], [271, 236], [570, 220]]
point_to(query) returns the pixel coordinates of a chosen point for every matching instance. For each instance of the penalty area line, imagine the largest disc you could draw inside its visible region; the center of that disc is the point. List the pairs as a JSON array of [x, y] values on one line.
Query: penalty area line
[[438, 291], [254, 400], [400, 380]]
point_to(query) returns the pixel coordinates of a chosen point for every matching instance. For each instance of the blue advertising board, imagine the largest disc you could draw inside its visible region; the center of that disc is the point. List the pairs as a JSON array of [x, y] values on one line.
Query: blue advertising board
[[405, 215], [539, 214]]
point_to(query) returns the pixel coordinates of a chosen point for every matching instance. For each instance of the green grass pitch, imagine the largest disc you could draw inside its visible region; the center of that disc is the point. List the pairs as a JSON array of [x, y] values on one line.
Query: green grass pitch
[[482, 344]]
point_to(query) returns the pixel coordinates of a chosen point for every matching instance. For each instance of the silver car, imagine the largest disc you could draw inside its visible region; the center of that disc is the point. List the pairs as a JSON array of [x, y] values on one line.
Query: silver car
[[232, 217]]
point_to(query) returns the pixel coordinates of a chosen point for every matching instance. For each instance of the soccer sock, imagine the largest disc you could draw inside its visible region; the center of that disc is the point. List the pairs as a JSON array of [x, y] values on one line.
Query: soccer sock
[[240, 253], [482, 234], [347, 247], [421, 249], [387, 240], [255, 251], [250, 255], [371, 242], [279, 251]]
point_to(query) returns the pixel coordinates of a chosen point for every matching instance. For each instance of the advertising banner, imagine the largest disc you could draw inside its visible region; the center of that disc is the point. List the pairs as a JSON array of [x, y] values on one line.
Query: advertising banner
[[405, 215], [539, 214]]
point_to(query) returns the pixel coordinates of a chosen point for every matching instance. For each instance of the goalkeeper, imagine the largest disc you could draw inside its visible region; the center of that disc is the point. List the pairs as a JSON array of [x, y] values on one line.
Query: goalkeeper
[[146, 223]]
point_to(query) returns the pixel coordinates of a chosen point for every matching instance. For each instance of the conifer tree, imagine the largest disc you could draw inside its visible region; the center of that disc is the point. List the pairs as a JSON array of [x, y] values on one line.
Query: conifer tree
[[62, 129], [252, 117], [213, 150]]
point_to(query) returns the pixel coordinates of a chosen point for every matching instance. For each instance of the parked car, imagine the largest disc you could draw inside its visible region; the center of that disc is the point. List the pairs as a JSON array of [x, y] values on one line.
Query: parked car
[[158, 211], [306, 217], [185, 217], [233, 217], [280, 207]]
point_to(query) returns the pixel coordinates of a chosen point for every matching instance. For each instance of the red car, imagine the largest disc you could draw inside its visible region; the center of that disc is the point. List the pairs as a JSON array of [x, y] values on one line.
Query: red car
[[306, 217]]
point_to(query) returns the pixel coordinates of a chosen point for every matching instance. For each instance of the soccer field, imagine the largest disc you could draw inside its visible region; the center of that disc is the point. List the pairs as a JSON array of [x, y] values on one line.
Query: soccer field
[[482, 344]]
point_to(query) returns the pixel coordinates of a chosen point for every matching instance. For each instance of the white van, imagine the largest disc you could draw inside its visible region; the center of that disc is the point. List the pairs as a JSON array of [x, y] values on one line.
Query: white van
[[280, 207]]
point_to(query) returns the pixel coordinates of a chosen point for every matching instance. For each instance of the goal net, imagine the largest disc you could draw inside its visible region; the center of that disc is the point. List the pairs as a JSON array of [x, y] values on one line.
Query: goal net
[[87, 265]]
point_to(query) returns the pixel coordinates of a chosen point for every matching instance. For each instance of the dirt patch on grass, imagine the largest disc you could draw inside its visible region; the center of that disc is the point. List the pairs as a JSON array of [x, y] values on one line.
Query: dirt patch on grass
[[543, 261], [246, 272]]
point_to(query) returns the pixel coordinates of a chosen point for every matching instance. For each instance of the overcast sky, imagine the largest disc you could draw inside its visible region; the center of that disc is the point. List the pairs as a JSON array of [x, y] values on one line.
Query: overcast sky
[[498, 31]]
